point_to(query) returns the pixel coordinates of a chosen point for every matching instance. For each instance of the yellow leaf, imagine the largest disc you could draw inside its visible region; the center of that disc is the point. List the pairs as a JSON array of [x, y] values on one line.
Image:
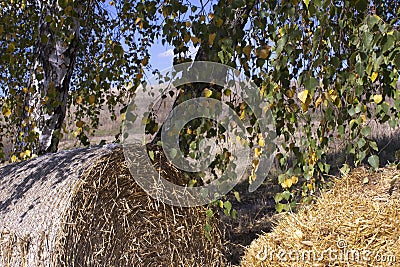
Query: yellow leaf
[[188, 24], [211, 38], [373, 76], [262, 91], [211, 15], [310, 186], [145, 60], [287, 183], [377, 99], [304, 107], [247, 50], [242, 115], [79, 124], [195, 40], [295, 179], [290, 93], [202, 18], [303, 96], [280, 31], [28, 153], [313, 158], [318, 102], [390, 33], [263, 54], [255, 163], [7, 112], [363, 118], [123, 116], [207, 92], [261, 142], [257, 151], [186, 38], [333, 95], [92, 99], [138, 20], [376, 16], [14, 158], [219, 22], [139, 76], [79, 100], [227, 92]]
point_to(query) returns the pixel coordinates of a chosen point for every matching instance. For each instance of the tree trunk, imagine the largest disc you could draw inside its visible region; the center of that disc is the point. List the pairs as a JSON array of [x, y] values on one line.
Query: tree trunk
[[45, 103]]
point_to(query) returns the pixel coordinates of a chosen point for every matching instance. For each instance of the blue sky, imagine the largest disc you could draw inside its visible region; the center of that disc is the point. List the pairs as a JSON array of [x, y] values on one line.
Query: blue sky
[[161, 56]]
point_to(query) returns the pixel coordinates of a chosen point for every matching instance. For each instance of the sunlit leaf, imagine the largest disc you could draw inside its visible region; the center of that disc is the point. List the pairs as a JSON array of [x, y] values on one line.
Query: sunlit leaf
[[303, 96]]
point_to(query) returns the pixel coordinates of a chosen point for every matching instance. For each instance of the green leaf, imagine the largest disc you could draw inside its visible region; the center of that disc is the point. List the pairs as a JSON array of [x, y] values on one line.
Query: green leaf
[[388, 43], [345, 169], [306, 2], [374, 161], [278, 197], [360, 68], [396, 61], [373, 145], [311, 83], [366, 131], [286, 195], [361, 5], [393, 123], [361, 142], [372, 21], [228, 207], [207, 229], [209, 213], [281, 207], [341, 129], [234, 214], [367, 39], [237, 195], [151, 154]]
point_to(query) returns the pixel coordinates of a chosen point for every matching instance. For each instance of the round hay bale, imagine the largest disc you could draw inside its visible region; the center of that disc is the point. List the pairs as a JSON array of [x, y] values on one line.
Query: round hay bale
[[83, 208], [355, 223]]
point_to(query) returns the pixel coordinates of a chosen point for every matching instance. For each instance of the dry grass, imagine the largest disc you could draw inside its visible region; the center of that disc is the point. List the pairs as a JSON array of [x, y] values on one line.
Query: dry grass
[[98, 216], [356, 223], [113, 222]]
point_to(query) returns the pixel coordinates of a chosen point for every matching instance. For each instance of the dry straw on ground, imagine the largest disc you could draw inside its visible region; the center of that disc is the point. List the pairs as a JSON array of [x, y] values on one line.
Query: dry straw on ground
[[356, 223], [84, 209]]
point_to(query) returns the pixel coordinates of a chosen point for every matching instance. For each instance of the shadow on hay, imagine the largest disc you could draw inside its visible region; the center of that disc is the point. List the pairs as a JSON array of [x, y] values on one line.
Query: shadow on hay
[[60, 164]]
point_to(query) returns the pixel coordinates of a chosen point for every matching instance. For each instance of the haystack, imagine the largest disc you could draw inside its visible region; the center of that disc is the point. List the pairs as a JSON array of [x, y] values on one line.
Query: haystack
[[355, 223], [83, 208]]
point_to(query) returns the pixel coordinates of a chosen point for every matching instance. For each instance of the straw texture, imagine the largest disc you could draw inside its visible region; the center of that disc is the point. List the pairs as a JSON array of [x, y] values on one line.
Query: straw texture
[[83, 208], [355, 223]]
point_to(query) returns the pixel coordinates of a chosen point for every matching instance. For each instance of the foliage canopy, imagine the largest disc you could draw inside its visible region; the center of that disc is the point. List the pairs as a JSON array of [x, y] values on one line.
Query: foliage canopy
[[343, 56]]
